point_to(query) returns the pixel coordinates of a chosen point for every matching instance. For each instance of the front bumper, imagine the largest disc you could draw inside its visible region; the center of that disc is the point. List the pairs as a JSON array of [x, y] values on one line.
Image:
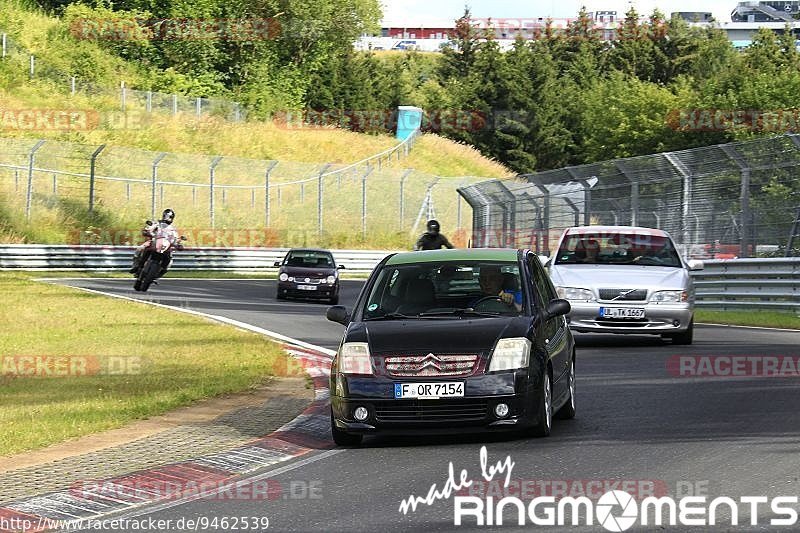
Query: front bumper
[[660, 319], [475, 412], [323, 290]]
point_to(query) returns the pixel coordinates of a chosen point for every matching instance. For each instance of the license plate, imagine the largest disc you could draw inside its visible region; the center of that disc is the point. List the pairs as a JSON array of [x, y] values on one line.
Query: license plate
[[622, 312], [429, 390], [306, 287]]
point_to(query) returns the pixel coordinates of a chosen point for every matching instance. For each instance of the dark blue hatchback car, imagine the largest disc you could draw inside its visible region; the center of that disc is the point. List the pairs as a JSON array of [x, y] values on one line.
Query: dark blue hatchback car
[[451, 341]]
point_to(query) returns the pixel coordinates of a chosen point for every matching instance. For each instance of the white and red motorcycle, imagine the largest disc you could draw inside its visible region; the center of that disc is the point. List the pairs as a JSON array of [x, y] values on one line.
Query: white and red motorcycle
[[163, 239]]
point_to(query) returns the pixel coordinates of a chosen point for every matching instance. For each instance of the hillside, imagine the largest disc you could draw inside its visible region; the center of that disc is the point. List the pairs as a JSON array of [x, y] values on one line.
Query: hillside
[[59, 201]]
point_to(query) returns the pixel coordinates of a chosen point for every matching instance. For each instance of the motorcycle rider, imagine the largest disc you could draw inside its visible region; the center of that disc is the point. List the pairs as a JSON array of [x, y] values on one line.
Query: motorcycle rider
[[432, 239], [140, 255]]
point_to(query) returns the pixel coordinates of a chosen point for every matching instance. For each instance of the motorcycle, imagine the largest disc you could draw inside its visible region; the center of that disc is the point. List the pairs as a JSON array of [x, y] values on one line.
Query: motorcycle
[[157, 254]]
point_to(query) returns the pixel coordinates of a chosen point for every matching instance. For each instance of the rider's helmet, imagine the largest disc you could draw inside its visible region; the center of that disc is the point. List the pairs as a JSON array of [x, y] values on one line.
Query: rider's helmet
[[433, 226], [168, 216]]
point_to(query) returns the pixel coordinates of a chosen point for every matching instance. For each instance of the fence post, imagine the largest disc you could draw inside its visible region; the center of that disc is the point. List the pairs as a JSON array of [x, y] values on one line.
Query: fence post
[[199, 106], [402, 197], [32, 66], [194, 196], [29, 193], [55, 185], [16, 180], [123, 96], [128, 191], [320, 189], [364, 203], [211, 170], [92, 165], [72, 86], [174, 104], [545, 211], [156, 161], [148, 105], [267, 175]]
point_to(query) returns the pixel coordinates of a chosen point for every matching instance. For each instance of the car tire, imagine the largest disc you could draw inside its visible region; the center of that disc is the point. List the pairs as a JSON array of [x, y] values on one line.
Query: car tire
[[342, 438], [567, 411], [686, 337], [544, 408]]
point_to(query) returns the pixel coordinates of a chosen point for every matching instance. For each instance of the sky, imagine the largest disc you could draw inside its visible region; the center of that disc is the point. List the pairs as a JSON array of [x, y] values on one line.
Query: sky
[[422, 10]]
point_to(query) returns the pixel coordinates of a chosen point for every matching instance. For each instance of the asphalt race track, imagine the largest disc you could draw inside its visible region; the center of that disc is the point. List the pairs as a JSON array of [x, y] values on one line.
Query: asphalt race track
[[639, 428]]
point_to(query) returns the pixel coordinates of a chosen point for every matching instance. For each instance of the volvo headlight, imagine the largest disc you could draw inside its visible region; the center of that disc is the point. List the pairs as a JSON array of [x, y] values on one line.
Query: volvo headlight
[[572, 293], [510, 354], [283, 277], [331, 279], [669, 297], [354, 358]]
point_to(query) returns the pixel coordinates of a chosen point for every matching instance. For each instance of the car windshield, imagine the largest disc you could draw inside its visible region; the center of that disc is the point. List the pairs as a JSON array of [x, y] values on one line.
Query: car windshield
[[633, 248], [309, 259], [453, 289]]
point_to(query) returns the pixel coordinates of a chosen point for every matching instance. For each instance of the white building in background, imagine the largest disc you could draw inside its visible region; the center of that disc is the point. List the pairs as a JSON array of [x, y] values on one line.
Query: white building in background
[[433, 35]]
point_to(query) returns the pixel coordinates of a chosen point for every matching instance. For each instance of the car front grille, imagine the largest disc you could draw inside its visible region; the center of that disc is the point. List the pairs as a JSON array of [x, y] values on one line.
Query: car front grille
[[624, 295], [412, 366], [431, 410], [311, 281]]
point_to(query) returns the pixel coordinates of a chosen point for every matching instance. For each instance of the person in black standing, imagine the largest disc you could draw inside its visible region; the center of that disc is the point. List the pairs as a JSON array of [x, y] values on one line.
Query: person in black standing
[[432, 239]]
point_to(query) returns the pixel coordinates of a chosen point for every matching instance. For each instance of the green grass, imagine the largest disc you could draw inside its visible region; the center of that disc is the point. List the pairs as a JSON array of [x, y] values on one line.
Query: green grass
[[194, 274], [183, 359], [767, 319]]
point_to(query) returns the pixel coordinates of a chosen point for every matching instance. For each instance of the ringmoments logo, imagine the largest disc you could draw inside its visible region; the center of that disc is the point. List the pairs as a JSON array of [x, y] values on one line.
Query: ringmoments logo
[[615, 510]]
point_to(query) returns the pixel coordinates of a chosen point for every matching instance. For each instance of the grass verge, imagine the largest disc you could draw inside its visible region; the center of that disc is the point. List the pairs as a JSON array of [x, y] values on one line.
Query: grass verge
[[766, 319], [172, 360]]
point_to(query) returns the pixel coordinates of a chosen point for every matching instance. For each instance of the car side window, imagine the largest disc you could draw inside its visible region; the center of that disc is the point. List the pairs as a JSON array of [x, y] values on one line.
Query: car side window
[[542, 289]]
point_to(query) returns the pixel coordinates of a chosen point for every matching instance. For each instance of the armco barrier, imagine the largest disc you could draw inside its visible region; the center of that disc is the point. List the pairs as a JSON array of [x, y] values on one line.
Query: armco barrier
[[42, 257], [749, 284]]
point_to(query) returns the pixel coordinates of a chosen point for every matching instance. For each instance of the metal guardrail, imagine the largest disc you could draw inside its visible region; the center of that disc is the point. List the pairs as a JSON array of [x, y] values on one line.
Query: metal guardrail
[[105, 258], [749, 284]]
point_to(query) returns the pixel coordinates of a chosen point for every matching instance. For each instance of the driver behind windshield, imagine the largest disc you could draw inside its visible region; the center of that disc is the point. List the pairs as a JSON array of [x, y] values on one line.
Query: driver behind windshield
[[491, 280]]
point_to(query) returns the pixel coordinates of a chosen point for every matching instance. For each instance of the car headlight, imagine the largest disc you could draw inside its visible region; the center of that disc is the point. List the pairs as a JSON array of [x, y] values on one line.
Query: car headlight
[[283, 277], [354, 358], [666, 297], [291, 278], [572, 293], [510, 354], [331, 279]]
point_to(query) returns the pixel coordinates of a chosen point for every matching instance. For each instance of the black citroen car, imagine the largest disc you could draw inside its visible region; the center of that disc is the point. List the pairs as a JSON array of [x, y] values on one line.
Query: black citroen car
[[452, 341], [308, 273]]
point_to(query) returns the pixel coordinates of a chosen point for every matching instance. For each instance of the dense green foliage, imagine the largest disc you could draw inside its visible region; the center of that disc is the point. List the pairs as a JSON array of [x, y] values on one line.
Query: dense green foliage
[[564, 98]]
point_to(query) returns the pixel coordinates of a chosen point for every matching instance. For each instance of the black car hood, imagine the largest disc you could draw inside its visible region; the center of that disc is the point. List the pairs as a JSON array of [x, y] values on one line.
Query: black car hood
[[313, 272], [441, 336]]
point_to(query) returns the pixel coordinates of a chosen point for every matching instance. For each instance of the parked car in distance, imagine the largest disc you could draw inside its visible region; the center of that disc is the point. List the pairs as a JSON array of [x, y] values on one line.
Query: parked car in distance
[[624, 279], [308, 273], [453, 341]]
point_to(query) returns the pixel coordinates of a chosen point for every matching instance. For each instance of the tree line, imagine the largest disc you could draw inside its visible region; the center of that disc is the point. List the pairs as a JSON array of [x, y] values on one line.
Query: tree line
[[564, 98]]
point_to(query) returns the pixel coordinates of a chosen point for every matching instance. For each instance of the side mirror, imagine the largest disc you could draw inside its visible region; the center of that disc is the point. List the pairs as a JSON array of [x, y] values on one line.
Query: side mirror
[[557, 307], [339, 267], [338, 314], [277, 263], [695, 264]]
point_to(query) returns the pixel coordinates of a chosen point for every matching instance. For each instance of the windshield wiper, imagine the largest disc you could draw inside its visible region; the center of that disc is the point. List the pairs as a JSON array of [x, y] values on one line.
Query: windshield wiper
[[460, 312], [390, 316]]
